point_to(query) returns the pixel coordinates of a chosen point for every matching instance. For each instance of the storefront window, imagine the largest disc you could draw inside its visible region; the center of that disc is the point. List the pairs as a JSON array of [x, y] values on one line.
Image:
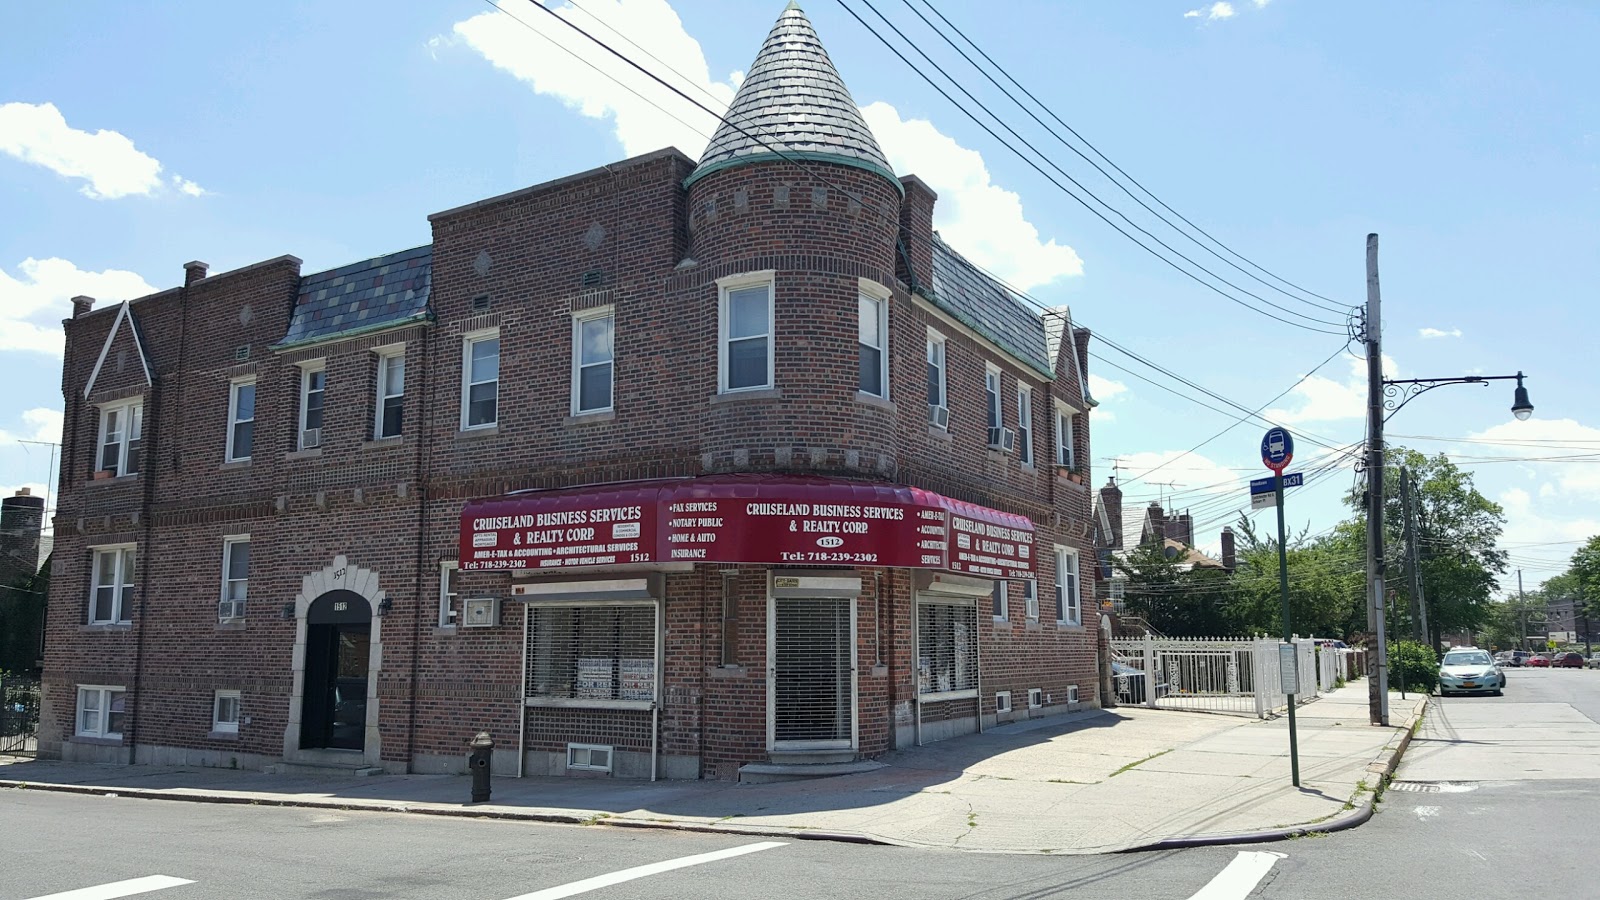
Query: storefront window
[[947, 648], [592, 653]]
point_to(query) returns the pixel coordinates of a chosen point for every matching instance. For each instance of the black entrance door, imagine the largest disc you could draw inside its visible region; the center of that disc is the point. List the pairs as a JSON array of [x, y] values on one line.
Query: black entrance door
[[333, 712]]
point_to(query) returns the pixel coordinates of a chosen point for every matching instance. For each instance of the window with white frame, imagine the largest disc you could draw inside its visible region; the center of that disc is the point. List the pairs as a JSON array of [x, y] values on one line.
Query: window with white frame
[[111, 591], [121, 436], [241, 420], [1030, 598], [593, 349], [1025, 425], [1068, 609], [101, 711], [449, 571], [1001, 601], [745, 326], [313, 380], [235, 577], [991, 389], [595, 652], [947, 648], [480, 380], [390, 407], [938, 403], [873, 336], [225, 712], [1065, 456]]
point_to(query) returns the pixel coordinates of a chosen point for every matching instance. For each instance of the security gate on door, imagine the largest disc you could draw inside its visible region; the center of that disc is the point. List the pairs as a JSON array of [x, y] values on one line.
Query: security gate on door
[[813, 674]]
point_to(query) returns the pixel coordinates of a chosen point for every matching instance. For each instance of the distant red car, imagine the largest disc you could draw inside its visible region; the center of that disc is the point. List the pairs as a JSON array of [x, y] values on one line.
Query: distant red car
[[1568, 661], [1538, 662]]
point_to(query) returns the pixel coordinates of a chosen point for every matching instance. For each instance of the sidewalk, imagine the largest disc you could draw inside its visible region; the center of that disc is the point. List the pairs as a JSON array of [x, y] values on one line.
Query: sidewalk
[[1094, 782]]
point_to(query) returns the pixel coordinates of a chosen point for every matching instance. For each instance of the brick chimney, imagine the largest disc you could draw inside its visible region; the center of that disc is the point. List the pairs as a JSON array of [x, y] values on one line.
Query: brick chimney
[[1158, 524], [1080, 338], [916, 233], [1230, 557], [1111, 502], [193, 271], [81, 306], [1181, 528]]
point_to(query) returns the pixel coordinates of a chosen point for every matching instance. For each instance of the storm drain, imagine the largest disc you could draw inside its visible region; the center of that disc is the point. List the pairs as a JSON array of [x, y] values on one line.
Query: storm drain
[[1433, 787]]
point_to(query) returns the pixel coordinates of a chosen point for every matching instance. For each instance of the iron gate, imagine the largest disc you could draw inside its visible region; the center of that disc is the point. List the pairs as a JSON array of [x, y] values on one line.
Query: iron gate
[[19, 715], [813, 665]]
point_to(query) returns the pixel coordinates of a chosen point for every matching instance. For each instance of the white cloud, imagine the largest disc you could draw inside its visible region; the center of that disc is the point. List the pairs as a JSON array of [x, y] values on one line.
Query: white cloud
[[1323, 399], [984, 221], [1534, 533], [1429, 334], [1563, 437], [40, 424], [1105, 388], [188, 187], [1215, 11], [107, 160], [531, 52], [31, 306]]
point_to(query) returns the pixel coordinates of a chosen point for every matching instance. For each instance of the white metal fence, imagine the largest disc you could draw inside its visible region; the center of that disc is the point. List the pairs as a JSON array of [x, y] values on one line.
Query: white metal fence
[[1228, 675]]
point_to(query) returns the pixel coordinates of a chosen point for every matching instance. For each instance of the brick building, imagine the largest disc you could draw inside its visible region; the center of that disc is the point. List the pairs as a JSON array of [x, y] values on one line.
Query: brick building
[[668, 468]]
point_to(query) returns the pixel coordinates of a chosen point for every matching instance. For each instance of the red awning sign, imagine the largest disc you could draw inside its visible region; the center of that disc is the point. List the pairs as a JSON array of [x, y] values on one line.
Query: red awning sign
[[767, 519]]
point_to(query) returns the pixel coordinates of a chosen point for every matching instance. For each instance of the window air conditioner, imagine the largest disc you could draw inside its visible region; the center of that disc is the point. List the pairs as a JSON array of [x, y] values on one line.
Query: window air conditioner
[[310, 438], [1002, 439], [480, 612], [230, 609], [939, 416]]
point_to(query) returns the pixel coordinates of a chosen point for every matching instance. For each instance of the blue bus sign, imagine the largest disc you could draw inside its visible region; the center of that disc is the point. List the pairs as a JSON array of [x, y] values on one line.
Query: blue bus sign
[[1277, 449]]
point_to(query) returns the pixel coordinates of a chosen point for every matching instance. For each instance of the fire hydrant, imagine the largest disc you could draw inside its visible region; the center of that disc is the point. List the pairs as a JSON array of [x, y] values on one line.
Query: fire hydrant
[[478, 763]]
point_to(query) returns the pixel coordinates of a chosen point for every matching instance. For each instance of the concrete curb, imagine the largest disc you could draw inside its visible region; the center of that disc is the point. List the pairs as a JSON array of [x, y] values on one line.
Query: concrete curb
[[1383, 765], [462, 812]]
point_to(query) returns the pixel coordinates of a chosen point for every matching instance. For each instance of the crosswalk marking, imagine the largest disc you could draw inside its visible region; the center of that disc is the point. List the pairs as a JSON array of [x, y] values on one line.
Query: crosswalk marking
[[1240, 877], [119, 888], [600, 881]]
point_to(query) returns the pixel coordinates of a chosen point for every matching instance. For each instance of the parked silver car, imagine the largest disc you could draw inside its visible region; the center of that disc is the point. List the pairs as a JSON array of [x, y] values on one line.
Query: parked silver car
[[1468, 670]]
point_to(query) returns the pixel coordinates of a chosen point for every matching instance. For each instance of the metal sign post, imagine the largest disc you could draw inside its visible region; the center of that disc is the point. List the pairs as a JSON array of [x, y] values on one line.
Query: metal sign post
[[1277, 449]]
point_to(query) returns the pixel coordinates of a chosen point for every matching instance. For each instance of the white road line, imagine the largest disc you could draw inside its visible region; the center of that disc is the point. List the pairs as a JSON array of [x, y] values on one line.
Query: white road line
[[119, 888], [1240, 877], [600, 881]]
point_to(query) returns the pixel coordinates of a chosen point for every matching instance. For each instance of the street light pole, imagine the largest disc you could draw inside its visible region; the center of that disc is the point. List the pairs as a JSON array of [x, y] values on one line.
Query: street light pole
[[1377, 656]]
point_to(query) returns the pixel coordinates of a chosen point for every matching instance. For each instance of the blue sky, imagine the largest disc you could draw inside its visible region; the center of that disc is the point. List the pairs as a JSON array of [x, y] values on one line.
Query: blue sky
[[136, 137]]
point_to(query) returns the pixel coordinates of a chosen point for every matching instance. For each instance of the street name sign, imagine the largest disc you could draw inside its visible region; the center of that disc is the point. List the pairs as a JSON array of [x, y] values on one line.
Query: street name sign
[[1265, 486]]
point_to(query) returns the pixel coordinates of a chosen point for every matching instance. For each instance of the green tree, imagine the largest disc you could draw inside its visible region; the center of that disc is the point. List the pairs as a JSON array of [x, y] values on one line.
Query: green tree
[[1457, 533], [1175, 598], [1584, 576], [1325, 583]]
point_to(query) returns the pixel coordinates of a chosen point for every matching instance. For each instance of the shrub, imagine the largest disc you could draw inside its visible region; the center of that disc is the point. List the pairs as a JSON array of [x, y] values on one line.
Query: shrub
[[1413, 666]]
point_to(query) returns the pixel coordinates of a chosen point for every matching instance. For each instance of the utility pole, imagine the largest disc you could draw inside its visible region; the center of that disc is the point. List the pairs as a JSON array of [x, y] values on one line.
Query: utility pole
[[1419, 605], [1522, 607], [1378, 655]]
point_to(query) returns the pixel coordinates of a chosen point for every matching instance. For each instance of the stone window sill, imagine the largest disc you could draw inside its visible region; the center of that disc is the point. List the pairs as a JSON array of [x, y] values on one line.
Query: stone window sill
[[231, 625], [235, 464], [444, 631], [96, 741], [105, 627], [384, 443], [1033, 625], [309, 453], [478, 431], [598, 417], [940, 434], [873, 400], [747, 396], [120, 479], [726, 671], [1002, 623], [1069, 626], [222, 736]]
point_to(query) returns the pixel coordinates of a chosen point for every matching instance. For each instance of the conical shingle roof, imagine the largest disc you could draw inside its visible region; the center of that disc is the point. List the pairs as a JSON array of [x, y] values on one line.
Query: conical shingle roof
[[793, 104]]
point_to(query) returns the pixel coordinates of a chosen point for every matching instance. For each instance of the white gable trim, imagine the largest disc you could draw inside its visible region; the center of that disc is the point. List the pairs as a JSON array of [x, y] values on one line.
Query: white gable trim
[[1083, 374], [111, 337]]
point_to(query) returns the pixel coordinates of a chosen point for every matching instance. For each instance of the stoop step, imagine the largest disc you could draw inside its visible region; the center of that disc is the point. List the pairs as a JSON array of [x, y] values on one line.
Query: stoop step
[[324, 769], [769, 772]]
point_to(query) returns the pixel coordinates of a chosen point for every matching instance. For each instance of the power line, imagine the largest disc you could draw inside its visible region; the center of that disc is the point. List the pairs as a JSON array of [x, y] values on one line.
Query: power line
[[1044, 310], [1069, 192], [1064, 142]]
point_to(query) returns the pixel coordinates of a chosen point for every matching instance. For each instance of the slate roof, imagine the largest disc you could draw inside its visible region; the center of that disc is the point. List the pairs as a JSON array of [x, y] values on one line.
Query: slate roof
[[795, 101], [365, 296], [982, 304]]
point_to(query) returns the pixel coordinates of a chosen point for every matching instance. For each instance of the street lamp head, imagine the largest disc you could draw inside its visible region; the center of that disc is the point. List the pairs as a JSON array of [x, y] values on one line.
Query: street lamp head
[[1520, 407]]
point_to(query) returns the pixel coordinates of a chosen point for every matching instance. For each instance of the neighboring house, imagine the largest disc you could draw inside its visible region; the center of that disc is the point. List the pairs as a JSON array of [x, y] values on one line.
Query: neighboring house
[[666, 468], [1174, 533], [21, 603]]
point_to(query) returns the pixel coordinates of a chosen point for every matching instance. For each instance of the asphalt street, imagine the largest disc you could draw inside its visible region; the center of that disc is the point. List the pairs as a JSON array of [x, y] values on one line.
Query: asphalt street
[[1522, 823]]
